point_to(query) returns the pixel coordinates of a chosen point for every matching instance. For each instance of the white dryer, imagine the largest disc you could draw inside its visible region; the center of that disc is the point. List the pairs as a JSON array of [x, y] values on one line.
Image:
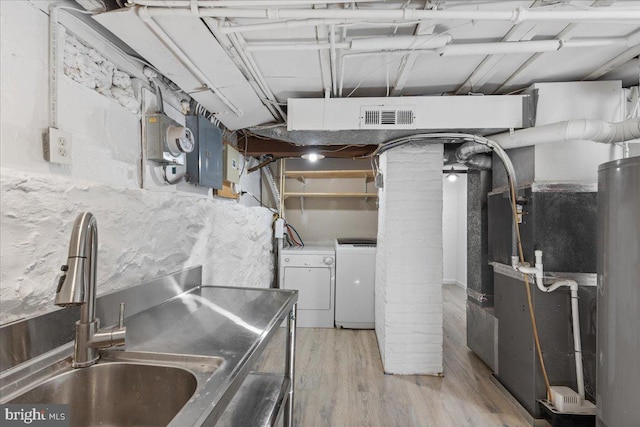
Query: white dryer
[[310, 270], [355, 283]]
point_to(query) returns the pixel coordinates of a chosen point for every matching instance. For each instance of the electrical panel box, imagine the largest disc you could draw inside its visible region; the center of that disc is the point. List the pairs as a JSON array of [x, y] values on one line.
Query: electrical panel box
[[231, 164], [167, 140], [204, 163]]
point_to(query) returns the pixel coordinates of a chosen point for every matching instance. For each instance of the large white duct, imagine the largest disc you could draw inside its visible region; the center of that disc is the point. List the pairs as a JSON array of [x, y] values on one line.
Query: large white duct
[[571, 130]]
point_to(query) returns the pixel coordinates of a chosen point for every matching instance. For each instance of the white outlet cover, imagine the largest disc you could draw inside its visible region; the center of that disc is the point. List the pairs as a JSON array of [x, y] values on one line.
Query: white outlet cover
[[58, 147]]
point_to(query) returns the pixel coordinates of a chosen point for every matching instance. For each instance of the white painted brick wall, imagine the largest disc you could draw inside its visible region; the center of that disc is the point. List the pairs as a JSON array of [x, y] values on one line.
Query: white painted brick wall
[[143, 233], [409, 260]]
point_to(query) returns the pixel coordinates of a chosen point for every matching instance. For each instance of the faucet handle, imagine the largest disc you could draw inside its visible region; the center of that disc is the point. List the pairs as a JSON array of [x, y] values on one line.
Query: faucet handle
[[121, 316]]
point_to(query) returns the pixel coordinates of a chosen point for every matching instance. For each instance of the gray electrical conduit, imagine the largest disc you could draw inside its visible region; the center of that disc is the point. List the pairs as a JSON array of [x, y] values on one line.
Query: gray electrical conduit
[[266, 171]]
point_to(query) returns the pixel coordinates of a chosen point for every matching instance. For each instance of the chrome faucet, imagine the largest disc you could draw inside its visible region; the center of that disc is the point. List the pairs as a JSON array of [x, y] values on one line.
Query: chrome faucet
[[78, 287]]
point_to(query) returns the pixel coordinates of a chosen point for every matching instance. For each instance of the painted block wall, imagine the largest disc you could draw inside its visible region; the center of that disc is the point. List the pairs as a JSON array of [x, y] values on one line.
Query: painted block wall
[[454, 231], [408, 301], [143, 232]]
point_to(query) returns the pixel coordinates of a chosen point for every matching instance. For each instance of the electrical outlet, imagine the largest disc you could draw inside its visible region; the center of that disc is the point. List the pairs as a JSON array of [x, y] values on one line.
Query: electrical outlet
[[56, 147]]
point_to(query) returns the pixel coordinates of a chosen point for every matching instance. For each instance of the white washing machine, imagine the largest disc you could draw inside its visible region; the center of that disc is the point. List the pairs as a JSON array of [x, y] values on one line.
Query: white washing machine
[[355, 283], [310, 270]]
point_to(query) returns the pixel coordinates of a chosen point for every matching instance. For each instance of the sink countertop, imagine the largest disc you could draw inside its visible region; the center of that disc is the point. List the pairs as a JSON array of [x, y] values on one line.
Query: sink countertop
[[228, 322], [173, 315]]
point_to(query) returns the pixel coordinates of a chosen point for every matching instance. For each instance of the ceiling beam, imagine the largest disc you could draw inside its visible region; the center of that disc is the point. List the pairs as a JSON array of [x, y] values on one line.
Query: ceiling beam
[[562, 35], [614, 63], [280, 149], [490, 64]]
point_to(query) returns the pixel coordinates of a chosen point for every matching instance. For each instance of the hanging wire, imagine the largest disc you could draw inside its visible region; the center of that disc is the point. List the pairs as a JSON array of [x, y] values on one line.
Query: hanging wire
[[290, 227]]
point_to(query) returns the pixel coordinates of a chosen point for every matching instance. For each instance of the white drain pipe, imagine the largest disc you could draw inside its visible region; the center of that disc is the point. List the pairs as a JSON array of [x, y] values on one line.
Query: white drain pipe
[[571, 130], [538, 271]]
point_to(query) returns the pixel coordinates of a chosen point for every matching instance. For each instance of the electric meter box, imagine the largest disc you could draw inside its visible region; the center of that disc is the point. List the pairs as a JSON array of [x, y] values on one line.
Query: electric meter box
[[231, 164], [158, 150], [204, 163]]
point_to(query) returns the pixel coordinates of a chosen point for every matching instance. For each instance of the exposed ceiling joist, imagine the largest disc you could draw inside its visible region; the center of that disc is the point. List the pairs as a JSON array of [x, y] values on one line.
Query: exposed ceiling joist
[[280, 149], [563, 35]]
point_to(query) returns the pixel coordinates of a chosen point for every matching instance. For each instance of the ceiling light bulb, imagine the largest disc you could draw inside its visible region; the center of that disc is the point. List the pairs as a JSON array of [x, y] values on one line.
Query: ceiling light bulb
[[312, 157], [452, 176]]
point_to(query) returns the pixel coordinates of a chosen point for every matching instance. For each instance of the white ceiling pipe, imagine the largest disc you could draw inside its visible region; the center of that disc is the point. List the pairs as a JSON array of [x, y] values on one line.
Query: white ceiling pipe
[[572, 130], [526, 46], [365, 44], [630, 15], [177, 52], [235, 3], [254, 71], [257, 46], [226, 29], [213, 25], [401, 42], [475, 49], [333, 59], [325, 63], [306, 23], [417, 43]]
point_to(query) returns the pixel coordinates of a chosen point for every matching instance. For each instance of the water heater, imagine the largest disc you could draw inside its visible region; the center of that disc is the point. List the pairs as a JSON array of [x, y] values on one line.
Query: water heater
[[618, 336]]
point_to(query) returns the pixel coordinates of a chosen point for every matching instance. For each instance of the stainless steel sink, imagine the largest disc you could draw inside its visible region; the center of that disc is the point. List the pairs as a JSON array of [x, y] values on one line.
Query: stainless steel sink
[[123, 389]]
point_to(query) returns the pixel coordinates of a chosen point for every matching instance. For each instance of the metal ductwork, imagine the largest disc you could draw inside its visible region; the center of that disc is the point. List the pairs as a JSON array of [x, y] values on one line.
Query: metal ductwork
[[410, 113]]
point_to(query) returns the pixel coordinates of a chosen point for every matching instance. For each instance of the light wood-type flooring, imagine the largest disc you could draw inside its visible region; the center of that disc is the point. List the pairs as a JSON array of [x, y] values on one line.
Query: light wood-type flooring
[[340, 380]]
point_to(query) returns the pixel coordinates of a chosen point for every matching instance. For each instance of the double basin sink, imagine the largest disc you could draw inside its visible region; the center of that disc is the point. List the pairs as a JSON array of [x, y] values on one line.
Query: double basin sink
[[123, 388]]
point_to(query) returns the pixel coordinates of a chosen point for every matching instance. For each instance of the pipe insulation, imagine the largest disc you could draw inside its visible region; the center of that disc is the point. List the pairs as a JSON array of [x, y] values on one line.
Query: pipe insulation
[[571, 130], [480, 162], [472, 155]]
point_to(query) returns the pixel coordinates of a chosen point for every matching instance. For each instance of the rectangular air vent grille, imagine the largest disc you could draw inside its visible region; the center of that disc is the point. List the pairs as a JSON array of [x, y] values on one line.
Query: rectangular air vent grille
[[385, 117], [371, 117], [388, 118], [404, 117]]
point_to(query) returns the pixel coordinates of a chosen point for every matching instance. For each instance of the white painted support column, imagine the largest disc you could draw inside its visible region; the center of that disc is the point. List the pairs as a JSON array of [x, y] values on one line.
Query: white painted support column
[[409, 260]]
